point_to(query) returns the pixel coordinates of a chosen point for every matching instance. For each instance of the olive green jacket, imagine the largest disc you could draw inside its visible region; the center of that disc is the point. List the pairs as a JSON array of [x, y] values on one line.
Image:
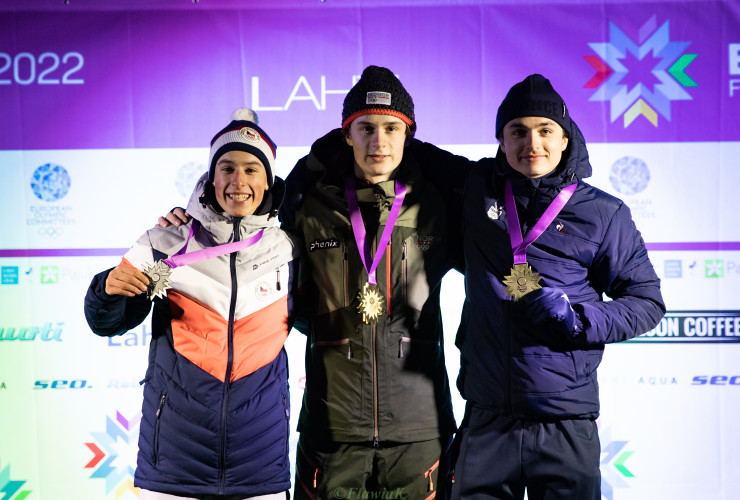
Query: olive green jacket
[[383, 382]]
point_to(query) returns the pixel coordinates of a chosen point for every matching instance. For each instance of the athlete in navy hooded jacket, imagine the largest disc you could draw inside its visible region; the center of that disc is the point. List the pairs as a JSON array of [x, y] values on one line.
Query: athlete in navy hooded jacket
[[528, 366]]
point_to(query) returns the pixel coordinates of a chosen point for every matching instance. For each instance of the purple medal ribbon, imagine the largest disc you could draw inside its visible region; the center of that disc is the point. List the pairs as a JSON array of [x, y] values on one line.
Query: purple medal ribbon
[[183, 259], [358, 226], [519, 245]]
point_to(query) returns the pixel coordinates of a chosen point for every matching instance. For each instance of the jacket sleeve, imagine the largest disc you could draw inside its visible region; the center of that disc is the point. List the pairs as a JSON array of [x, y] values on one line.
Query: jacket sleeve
[[446, 171], [109, 315], [623, 271], [295, 185]]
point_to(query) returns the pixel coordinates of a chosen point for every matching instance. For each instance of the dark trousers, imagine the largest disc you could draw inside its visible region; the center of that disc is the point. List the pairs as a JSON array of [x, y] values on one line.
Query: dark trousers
[[497, 457], [357, 471]]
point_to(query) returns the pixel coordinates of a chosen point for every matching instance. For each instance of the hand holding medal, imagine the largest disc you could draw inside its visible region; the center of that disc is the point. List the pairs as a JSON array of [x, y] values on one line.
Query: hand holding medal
[[522, 280]]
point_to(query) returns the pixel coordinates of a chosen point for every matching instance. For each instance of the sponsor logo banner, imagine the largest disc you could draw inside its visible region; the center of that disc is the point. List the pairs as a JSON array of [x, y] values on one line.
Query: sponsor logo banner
[[717, 327]]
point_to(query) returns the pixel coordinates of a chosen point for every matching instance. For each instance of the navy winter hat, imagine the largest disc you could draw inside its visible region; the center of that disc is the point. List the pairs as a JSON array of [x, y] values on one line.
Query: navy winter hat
[[534, 96], [243, 134], [378, 92]]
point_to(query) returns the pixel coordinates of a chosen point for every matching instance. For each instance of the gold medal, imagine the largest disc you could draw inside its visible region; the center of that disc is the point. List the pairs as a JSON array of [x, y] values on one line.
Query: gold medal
[[371, 303], [159, 279], [521, 281]]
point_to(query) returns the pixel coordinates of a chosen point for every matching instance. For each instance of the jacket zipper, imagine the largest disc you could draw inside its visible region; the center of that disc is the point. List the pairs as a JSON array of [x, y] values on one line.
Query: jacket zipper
[[373, 335], [229, 364], [376, 437], [388, 285], [403, 273], [428, 474], [345, 273], [158, 414], [508, 358], [277, 283]]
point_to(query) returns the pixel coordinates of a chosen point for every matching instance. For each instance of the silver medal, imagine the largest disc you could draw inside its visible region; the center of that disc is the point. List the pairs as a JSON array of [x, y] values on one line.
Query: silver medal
[[159, 279]]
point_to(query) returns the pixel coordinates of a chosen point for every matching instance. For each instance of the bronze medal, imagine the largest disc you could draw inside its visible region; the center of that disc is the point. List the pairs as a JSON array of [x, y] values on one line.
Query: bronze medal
[[521, 281], [371, 303], [159, 279]]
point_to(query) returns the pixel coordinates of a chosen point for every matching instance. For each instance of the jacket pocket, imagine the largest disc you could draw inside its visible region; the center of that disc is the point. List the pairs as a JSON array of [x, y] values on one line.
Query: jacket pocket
[[157, 424], [414, 370], [405, 342], [545, 374], [335, 385], [336, 343]]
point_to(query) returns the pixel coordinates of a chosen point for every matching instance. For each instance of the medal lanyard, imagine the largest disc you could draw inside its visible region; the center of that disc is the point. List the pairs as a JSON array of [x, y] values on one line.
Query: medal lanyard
[[519, 245], [183, 259], [358, 226]]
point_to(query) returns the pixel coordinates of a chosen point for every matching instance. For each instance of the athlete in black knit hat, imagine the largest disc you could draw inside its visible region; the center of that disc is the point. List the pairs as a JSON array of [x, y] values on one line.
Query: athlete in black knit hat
[[543, 249], [377, 414]]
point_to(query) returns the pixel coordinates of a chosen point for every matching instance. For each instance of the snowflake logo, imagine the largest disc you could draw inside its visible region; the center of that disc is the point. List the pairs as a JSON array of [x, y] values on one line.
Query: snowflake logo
[[118, 446], [613, 470], [640, 78], [9, 487]]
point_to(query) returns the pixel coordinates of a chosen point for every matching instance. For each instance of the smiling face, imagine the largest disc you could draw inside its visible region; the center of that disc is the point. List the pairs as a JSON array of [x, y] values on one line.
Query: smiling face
[[240, 182], [377, 144], [533, 145]]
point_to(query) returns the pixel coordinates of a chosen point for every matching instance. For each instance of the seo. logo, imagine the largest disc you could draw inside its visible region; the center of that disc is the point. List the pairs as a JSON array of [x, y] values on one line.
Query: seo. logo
[[62, 384]]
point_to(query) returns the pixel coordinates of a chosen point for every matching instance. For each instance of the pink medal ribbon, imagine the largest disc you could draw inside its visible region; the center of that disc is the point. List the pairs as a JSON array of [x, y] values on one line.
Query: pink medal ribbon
[[159, 273], [370, 299], [181, 258], [522, 280]]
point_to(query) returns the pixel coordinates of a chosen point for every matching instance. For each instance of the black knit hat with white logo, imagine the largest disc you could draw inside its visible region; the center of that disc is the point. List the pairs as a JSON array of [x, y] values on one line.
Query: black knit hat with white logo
[[534, 96], [378, 92]]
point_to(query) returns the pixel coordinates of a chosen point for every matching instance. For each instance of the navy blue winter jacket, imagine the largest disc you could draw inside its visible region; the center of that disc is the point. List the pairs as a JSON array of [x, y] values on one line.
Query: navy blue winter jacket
[[590, 250]]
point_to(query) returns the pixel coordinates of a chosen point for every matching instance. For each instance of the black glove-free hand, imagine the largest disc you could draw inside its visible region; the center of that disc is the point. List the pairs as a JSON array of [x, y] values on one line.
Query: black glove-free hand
[[551, 306]]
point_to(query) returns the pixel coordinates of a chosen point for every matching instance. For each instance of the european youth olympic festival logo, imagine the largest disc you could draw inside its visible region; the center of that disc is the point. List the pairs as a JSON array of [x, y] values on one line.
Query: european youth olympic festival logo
[[115, 454], [643, 77]]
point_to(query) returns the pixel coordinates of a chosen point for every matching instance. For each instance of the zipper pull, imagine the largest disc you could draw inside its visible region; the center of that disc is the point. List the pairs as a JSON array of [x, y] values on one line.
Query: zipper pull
[[452, 476], [431, 483], [349, 350], [277, 285], [161, 405], [400, 348], [315, 478]]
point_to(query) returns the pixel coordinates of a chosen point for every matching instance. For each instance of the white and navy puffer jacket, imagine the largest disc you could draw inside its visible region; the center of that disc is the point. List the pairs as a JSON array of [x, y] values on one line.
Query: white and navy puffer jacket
[[215, 416]]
